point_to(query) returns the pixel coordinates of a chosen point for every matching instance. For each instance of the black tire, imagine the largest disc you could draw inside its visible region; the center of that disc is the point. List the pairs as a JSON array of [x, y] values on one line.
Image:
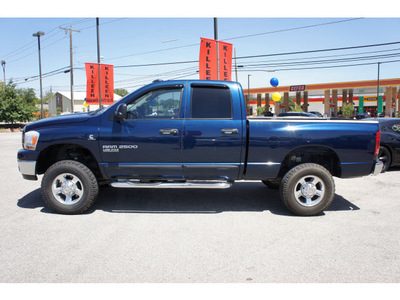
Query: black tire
[[385, 157], [307, 189], [69, 187], [272, 184]]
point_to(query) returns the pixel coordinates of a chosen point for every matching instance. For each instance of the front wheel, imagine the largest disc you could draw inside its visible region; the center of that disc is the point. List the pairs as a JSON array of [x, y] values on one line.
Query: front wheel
[[69, 187], [307, 189]]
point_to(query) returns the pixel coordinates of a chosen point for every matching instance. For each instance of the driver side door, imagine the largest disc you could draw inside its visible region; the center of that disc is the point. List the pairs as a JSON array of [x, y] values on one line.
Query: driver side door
[[147, 143]]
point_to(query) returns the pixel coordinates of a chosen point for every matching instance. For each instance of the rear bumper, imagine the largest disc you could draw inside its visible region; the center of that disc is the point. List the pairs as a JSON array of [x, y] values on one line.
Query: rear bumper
[[377, 168]]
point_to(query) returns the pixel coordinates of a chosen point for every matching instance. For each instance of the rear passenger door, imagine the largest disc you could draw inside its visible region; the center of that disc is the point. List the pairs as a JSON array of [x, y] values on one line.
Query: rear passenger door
[[212, 133]]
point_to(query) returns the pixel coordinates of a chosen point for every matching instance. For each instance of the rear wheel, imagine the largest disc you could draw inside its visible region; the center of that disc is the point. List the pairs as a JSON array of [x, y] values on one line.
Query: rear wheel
[[307, 189], [385, 158], [69, 187]]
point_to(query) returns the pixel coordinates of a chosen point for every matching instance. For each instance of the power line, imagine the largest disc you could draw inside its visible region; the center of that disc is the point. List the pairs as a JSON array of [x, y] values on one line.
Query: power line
[[104, 23], [33, 44], [255, 65], [329, 61], [320, 50], [323, 67], [48, 74], [31, 53], [238, 37], [327, 56], [264, 55], [291, 29]]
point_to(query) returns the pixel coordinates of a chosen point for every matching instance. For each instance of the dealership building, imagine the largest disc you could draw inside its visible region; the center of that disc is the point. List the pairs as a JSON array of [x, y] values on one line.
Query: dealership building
[[60, 103], [327, 98]]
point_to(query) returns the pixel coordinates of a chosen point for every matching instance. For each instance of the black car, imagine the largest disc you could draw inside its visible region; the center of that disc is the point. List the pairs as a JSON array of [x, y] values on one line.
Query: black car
[[364, 115], [297, 114], [389, 152], [317, 113]]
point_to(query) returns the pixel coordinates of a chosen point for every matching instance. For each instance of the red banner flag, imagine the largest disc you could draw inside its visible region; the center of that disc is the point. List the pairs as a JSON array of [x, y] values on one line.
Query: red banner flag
[[208, 66], [225, 61], [92, 86], [107, 84]]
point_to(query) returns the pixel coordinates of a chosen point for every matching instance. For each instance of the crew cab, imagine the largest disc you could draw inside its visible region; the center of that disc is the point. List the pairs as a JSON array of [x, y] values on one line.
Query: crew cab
[[193, 134]]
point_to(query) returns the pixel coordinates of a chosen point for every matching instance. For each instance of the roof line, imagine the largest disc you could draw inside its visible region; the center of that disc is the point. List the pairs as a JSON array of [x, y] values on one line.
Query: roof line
[[330, 86]]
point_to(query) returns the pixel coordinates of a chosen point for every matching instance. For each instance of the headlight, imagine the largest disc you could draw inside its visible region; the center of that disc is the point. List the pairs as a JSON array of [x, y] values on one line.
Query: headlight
[[31, 139]]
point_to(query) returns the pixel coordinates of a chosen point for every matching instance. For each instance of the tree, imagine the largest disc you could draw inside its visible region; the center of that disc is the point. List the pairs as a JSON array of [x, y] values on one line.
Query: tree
[[292, 104], [121, 92], [296, 108], [347, 110], [29, 95], [47, 97], [260, 109], [16, 105]]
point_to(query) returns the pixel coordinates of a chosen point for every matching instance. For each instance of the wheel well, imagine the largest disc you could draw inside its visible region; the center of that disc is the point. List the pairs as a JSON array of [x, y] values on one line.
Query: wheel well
[[390, 151], [55, 153], [320, 155], [388, 147]]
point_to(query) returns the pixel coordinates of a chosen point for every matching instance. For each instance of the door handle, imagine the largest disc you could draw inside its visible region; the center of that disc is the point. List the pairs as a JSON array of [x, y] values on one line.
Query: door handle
[[169, 131], [230, 131]]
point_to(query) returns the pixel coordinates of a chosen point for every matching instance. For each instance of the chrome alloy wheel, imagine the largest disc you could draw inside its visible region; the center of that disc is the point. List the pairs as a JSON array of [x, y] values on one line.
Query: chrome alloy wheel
[[309, 190], [67, 188]]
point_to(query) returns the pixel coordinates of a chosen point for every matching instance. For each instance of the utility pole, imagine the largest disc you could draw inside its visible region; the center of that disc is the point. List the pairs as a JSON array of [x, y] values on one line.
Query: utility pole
[[377, 88], [71, 62], [248, 87], [216, 38], [38, 34], [98, 60], [3, 63], [236, 67]]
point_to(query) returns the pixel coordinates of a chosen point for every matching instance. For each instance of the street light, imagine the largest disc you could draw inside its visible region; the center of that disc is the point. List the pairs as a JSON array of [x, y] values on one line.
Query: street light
[[248, 87], [3, 63], [377, 86], [248, 92], [38, 34]]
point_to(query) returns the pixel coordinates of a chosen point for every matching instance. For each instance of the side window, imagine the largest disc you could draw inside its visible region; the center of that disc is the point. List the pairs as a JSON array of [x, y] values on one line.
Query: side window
[[211, 103], [156, 104]]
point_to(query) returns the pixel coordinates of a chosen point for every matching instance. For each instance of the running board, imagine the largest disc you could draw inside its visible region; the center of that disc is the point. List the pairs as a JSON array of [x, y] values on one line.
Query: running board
[[174, 185]]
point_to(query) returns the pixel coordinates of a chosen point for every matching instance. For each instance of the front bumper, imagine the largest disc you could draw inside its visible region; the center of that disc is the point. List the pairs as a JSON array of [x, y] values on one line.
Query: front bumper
[[27, 163], [377, 168], [28, 169]]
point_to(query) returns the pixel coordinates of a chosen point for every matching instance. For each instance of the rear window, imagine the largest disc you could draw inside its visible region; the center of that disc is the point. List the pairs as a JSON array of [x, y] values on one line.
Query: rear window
[[211, 103]]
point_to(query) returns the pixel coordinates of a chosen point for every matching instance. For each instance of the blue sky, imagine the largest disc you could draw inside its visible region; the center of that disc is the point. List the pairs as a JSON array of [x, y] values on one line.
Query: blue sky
[[133, 40]]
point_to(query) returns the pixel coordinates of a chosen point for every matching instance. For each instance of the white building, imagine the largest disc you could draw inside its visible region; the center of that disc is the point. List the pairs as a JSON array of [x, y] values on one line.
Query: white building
[[61, 101]]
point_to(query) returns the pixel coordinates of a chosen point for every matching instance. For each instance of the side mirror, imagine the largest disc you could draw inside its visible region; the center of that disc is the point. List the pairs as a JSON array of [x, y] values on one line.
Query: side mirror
[[120, 113]]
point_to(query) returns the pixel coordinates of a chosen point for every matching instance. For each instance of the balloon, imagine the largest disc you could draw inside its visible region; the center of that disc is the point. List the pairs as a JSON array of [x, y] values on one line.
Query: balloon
[[274, 82], [276, 96], [85, 104]]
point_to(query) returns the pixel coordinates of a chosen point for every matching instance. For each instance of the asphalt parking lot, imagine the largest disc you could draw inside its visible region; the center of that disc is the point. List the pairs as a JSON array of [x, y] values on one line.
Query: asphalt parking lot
[[244, 234]]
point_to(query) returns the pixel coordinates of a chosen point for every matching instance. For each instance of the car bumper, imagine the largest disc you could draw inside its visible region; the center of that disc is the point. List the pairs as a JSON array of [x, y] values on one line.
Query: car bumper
[[377, 168], [27, 169], [27, 163]]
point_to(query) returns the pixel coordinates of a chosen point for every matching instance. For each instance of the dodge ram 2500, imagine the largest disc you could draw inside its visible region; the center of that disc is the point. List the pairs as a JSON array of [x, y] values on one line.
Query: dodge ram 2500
[[193, 134]]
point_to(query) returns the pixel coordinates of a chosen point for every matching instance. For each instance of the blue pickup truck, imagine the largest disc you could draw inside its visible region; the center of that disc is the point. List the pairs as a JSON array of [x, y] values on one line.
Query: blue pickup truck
[[193, 134]]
